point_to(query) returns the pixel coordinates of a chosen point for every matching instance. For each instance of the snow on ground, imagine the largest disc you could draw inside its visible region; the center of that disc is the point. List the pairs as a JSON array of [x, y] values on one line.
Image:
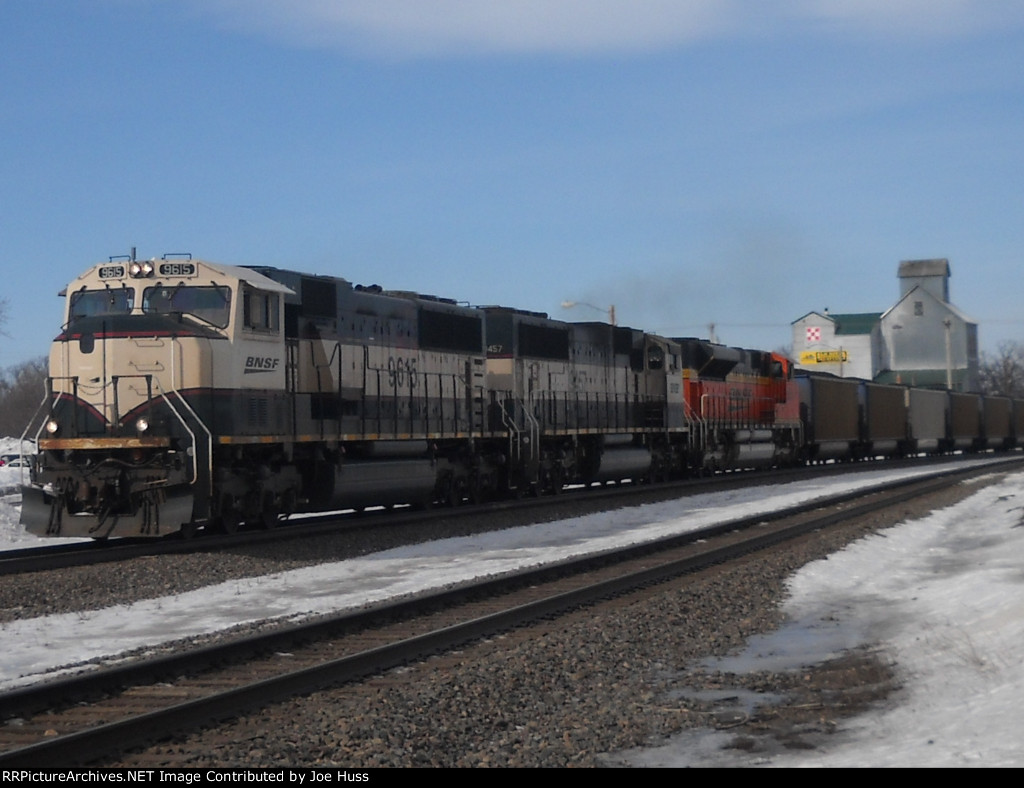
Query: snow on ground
[[943, 596], [12, 535]]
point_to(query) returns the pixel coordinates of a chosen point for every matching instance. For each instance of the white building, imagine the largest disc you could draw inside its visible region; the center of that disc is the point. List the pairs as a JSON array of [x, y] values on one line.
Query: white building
[[922, 340], [847, 345]]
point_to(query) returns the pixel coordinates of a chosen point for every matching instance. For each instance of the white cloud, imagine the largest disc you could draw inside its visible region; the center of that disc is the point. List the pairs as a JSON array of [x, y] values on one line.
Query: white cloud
[[418, 28], [432, 27], [911, 18]]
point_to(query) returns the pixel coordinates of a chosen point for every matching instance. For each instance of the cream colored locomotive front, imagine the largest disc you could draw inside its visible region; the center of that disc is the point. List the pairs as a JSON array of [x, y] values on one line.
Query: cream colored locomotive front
[[230, 303], [147, 351]]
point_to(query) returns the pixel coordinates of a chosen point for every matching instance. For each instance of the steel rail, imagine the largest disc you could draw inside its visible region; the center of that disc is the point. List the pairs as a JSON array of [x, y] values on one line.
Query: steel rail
[[85, 746], [85, 553]]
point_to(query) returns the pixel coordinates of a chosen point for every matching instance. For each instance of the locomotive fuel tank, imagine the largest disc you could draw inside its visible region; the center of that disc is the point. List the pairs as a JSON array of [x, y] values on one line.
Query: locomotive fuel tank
[[620, 459], [375, 483]]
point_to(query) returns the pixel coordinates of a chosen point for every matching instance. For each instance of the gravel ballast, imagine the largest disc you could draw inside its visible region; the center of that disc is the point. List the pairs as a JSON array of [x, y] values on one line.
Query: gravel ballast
[[576, 691]]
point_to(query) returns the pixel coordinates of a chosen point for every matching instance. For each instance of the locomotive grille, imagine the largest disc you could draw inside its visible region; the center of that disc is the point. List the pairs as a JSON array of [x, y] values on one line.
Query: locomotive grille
[[259, 412]]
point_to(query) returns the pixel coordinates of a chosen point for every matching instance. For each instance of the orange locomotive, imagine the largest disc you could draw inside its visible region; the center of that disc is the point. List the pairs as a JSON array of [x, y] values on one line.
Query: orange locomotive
[[744, 405]]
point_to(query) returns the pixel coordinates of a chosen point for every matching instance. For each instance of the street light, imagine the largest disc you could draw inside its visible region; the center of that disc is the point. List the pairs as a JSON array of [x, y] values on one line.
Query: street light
[[610, 310]]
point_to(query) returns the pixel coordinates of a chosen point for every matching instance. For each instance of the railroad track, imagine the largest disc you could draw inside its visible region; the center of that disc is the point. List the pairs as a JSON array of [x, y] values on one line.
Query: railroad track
[[96, 715], [84, 553]]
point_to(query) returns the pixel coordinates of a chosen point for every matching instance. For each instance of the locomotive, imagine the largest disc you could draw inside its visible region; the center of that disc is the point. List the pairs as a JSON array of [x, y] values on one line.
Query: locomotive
[[184, 393]]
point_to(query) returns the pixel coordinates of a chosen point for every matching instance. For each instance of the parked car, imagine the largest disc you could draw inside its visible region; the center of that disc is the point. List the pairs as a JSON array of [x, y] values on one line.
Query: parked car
[[13, 461]]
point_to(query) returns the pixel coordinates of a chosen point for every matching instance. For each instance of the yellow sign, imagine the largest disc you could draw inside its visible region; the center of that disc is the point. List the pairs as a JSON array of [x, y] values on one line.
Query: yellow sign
[[824, 357]]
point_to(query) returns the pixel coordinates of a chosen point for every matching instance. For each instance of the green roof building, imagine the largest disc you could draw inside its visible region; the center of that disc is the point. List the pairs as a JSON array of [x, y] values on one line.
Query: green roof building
[[922, 340]]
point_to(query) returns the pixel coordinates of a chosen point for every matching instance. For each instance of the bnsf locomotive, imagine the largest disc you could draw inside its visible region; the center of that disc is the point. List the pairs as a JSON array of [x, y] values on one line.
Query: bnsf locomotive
[[185, 393]]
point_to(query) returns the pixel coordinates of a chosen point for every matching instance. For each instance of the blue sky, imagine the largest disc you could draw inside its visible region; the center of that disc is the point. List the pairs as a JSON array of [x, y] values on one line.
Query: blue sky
[[736, 162]]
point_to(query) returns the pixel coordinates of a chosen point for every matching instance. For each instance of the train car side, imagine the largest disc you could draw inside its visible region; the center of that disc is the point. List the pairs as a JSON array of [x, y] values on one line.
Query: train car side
[[830, 411], [184, 393], [885, 420], [927, 421]]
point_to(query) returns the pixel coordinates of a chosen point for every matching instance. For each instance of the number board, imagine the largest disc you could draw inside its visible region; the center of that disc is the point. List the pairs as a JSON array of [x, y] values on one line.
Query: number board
[[177, 269], [111, 271]]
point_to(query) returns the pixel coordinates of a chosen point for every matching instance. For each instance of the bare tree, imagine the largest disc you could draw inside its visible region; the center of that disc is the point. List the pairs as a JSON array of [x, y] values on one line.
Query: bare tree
[[1002, 374], [21, 390]]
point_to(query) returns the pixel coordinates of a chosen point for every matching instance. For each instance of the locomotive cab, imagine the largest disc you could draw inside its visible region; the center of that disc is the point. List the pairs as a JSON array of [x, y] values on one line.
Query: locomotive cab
[[135, 393]]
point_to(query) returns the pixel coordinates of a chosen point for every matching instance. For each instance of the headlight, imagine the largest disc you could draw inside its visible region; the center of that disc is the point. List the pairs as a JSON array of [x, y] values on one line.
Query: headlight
[[139, 269], [141, 425], [52, 426]]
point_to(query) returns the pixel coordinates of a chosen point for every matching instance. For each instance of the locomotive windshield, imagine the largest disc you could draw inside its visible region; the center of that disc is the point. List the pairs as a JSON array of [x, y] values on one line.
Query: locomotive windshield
[[211, 304], [93, 303]]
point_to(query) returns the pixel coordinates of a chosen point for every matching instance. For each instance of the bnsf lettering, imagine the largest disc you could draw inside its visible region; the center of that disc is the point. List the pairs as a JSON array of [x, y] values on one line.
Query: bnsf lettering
[[260, 364]]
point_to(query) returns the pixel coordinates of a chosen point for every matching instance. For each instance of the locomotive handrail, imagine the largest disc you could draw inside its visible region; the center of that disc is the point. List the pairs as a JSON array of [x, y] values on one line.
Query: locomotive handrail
[[508, 422], [719, 410], [199, 421], [150, 381], [534, 434], [51, 395], [513, 427], [327, 364], [47, 395], [690, 413], [450, 424], [534, 424]]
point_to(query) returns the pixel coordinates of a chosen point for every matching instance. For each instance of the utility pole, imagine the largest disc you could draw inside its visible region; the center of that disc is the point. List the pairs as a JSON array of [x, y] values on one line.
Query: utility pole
[[949, 352]]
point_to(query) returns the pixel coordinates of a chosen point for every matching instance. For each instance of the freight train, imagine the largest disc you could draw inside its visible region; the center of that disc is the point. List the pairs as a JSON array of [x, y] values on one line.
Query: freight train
[[184, 394]]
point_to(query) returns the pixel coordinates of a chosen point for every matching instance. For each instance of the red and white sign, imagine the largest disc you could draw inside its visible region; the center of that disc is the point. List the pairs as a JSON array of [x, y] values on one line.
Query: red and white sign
[[813, 333]]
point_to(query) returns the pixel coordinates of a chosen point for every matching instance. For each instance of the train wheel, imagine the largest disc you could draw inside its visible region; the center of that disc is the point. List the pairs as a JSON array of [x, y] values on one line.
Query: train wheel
[[471, 488], [269, 512], [229, 521], [451, 495], [289, 502]]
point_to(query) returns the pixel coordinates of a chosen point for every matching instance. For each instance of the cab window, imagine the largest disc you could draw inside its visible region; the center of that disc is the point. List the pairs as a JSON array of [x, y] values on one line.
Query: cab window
[[91, 303], [261, 311], [210, 304]]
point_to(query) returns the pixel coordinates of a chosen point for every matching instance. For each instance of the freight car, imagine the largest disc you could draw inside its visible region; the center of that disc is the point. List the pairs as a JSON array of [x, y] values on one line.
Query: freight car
[[184, 393], [846, 419]]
